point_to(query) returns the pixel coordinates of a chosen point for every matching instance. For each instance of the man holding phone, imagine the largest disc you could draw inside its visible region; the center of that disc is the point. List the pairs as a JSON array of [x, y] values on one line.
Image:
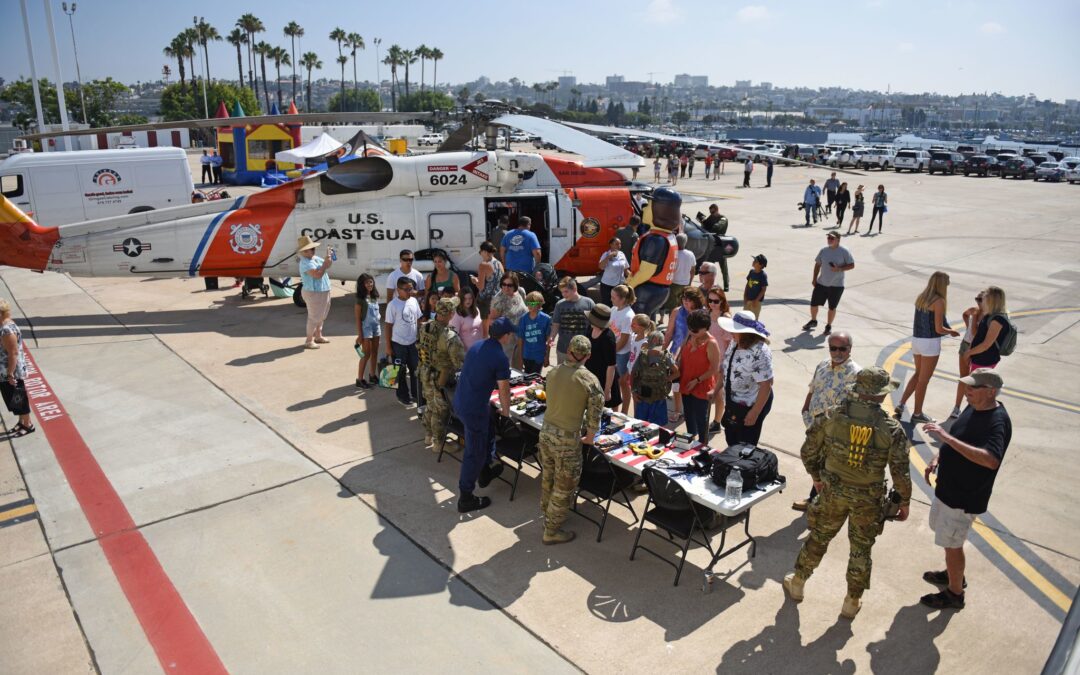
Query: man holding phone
[[828, 280]]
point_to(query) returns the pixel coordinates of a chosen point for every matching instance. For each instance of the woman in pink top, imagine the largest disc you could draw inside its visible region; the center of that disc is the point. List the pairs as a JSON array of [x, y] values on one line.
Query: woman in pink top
[[699, 363], [466, 320], [717, 305]]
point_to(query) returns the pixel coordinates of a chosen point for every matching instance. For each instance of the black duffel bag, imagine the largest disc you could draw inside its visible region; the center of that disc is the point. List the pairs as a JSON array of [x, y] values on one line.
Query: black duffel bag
[[758, 466]]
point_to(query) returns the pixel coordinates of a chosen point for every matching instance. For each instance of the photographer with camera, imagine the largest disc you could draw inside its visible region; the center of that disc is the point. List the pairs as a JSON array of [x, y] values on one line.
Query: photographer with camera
[[846, 452], [810, 202]]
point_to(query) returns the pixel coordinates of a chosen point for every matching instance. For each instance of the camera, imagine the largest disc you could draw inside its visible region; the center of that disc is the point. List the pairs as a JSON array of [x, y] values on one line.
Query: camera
[[801, 206]]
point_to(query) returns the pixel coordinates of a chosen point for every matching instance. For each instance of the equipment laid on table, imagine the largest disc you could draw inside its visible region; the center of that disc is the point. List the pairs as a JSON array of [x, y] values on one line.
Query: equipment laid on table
[[534, 408], [757, 466], [650, 451], [683, 442]]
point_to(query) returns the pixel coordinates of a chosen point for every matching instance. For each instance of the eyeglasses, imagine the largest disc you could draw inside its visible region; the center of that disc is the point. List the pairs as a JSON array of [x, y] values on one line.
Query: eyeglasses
[[508, 285], [535, 304], [833, 348], [408, 260], [714, 301], [978, 298]]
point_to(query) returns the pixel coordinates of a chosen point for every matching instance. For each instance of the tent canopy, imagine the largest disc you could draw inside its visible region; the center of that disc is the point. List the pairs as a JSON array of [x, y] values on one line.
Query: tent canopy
[[323, 145]]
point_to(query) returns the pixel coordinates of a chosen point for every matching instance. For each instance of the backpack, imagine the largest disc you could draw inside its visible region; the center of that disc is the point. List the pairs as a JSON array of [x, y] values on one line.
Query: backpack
[[1006, 340], [651, 380], [759, 467]]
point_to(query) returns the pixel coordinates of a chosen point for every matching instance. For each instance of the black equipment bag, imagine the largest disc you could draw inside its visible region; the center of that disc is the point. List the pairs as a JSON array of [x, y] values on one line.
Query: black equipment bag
[[758, 466]]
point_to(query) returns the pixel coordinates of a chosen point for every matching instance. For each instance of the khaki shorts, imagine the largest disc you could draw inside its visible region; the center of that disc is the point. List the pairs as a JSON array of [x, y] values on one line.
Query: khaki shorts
[[950, 525]]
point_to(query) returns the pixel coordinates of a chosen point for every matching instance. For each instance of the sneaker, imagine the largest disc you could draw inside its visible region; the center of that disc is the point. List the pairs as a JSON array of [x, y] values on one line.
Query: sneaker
[[715, 428], [940, 578], [558, 537], [405, 402], [428, 440], [955, 413], [373, 380], [420, 409], [800, 505], [944, 599], [470, 502], [310, 345], [322, 341], [921, 418], [898, 411], [851, 607], [361, 384], [793, 585], [489, 473], [810, 325], [828, 329]]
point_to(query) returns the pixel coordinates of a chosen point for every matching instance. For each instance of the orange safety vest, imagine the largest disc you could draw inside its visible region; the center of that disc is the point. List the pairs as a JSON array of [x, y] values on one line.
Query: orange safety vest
[[665, 272]]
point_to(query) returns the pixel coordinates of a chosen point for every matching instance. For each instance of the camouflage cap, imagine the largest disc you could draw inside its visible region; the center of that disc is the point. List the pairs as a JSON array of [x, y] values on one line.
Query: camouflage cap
[[579, 346], [446, 306], [873, 382]]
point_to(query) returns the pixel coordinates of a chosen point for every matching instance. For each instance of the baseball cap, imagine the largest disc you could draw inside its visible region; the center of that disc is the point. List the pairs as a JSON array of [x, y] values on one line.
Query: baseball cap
[[579, 346], [500, 327], [446, 305], [833, 235], [983, 377], [760, 258]]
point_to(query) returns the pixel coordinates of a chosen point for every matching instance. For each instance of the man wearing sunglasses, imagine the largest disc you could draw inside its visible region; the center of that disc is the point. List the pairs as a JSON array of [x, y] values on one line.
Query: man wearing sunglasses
[[828, 387]]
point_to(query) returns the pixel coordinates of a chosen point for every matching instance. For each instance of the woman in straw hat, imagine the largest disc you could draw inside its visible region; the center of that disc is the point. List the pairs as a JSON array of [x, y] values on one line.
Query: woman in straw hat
[[748, 378], [315, 288]]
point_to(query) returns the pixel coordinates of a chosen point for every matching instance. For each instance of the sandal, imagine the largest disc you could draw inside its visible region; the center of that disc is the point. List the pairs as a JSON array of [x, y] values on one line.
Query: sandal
[[21, 429], [945, 599], [674, 417]]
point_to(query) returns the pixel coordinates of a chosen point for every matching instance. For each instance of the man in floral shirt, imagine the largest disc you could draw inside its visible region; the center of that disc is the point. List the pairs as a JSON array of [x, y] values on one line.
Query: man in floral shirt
[[830, 384]]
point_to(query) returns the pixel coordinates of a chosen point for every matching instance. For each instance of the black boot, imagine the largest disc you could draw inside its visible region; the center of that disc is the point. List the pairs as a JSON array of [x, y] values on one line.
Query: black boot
[[470, 502]]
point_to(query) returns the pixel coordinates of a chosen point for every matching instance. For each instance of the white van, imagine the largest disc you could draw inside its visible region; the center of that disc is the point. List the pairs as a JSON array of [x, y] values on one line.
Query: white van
[[70, 187]]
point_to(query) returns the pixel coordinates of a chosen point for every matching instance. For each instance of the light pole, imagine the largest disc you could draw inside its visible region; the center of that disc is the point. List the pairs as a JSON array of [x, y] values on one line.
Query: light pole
[[206, 61], [378, 77], [78, 72]]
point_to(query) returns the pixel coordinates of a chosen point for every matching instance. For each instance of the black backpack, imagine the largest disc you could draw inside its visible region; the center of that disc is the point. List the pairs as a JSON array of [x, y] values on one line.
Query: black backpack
[[757, 465]]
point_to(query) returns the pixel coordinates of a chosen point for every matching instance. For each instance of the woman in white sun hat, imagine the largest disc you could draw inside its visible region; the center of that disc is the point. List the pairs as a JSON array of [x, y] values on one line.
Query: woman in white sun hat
[[315, 288], [747, 378]]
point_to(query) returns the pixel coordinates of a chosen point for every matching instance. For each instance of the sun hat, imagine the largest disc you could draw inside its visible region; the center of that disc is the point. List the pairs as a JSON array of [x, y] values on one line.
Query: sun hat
[[305, 242], [600, 316], [744, 321]]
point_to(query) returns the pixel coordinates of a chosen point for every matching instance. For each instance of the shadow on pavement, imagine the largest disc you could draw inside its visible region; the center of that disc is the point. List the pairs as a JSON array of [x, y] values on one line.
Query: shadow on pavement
[[908, 646], [779, 648], [805, 340]]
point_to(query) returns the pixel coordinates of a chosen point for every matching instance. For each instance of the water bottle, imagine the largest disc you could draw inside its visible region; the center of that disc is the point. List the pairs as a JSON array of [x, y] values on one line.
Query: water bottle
[[733, 489]]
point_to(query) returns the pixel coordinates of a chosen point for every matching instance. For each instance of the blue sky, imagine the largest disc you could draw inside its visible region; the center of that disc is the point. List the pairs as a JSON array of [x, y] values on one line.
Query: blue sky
[[940, 46]]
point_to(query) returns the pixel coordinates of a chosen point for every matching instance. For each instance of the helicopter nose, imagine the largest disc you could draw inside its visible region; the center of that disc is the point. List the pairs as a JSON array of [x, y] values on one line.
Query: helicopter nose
[[24, 243]]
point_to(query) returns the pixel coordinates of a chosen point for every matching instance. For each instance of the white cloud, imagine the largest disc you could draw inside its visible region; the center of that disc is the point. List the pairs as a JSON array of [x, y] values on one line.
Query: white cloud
[[905, 47], [752, 13], [662, 11], [991, 28]]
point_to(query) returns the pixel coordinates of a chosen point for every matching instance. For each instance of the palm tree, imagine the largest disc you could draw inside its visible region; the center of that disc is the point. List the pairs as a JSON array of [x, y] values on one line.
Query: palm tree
[[435, 54], [237, 38], [339, 36], [310, 61], [251, 25], [178, 50], [393, 59], [279, 56], [192, 39], [423, 53], [293, 31], [407, 57], [355, 43], [207, 33], [263, 50]]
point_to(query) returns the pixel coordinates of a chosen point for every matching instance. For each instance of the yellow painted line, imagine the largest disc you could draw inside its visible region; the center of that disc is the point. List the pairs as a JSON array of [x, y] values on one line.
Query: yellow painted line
[[1007, 391], [1052, 593], [15, 513]]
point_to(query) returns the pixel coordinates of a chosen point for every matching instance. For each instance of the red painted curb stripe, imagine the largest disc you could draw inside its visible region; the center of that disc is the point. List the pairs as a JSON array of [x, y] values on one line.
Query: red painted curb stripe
[[175, 635]]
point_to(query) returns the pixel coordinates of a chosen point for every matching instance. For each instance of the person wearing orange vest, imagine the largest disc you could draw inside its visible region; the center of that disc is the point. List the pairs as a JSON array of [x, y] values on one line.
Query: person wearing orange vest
[[653, 261]]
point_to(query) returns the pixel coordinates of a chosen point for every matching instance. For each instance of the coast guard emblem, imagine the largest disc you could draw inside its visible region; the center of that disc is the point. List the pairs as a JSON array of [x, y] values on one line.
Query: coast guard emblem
[[246, 239]]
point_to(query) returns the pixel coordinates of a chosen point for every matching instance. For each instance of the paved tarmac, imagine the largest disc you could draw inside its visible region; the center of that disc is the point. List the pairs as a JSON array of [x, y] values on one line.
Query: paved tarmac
[[303, 526]]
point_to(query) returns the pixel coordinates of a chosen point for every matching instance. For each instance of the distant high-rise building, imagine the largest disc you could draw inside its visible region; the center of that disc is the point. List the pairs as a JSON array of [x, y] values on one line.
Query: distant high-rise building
[[699, 80], [567, 82], [682, 80], [766, 86], [687, 81], [615, 79], [743, 84]]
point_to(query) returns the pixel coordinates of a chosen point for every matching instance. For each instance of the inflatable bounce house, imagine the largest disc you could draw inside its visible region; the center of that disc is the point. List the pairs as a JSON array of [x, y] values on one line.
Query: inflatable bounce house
[[248, 150]]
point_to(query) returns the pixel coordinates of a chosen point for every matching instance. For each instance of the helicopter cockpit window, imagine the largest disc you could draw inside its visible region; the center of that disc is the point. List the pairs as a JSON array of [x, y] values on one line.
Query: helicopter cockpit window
[[365, 174]]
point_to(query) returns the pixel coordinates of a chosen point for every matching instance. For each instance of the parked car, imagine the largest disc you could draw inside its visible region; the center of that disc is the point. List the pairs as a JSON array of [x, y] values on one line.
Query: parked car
[[1070, 163], [430, 139], [1073, 176], [848, 157], [1051, 172], [913, 160], [945, 162], [522, 137], [982, 165], [875, 158], [1040, 157], [1021, 167]]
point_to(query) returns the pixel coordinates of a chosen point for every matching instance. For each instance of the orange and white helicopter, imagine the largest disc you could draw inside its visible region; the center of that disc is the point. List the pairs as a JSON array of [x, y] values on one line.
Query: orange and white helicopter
[[367, 209]]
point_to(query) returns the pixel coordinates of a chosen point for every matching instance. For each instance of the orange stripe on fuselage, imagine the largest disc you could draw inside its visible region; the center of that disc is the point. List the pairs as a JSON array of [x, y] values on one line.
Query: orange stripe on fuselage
[[231, 253]]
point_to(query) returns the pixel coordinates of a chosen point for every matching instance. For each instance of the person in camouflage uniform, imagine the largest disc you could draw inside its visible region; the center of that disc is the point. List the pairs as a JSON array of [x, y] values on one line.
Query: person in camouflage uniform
[[846, 451], [441, 355], [572, 392]]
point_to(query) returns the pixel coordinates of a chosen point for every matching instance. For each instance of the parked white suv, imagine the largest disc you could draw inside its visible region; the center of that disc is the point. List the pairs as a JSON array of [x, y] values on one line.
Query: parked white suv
[[430, 139], [875, 158], [914, 161]]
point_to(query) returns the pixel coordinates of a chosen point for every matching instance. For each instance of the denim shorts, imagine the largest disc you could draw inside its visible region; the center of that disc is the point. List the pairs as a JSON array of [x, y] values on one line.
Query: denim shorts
[[622, 363], [371, 329]]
